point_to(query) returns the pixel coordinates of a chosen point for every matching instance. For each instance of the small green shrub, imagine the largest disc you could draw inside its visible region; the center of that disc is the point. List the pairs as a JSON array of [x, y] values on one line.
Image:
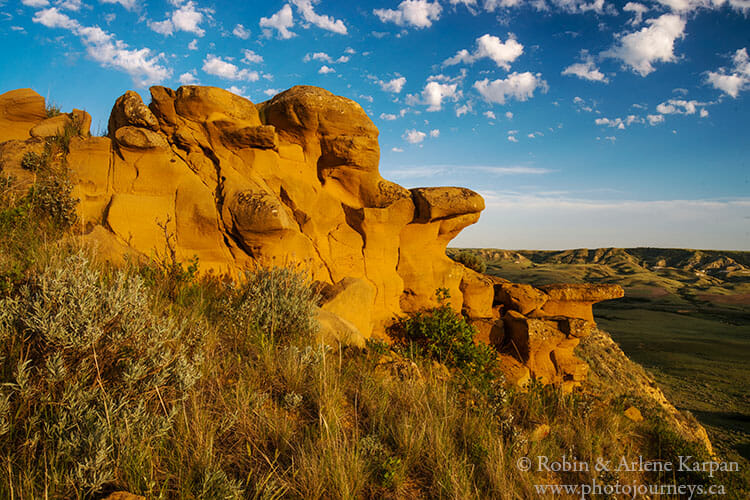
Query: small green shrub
[[32, 162], [272, 305], [470, 260], [444, 335], [51, 197], [52, 109]]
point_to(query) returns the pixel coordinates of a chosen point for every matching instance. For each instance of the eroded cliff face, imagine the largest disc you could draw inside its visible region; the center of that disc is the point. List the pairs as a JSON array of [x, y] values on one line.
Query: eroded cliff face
[[295, 180]]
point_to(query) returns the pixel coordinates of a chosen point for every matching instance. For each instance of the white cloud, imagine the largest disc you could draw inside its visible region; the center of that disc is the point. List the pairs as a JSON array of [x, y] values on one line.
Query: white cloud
[[74, 5], [186, 18], [435, 93], [37, 4], [216, 66], [193, 45], [414, 136], [395, 85], [53, 18], [679, 107], [251, 57], [655, 119], [508, 115], [188, 78], [520, 86], [462, 110], [503, 53], [614, 122], [321, 21], [128, 4], [281, 22], [406, 173], [324, 70], [418, 13], [638, 9], [271, 92], [388, 116], [435, 133], [512, 138], [397, 150], [318, 56], [733, 81], [143, 67], [492, 5], [586, 70], [491, 115], [704, 113], [241, 32], [654, 43]]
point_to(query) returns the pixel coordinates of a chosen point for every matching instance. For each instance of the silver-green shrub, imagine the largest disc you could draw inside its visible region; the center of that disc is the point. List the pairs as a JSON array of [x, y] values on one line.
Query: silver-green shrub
[[273, 304], [92, 378]]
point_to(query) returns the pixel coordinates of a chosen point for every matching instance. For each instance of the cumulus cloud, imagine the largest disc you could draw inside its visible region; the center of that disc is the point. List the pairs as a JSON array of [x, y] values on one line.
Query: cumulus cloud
[[490, 115], [241, 32], [503, 53], [654, 43], [704, 113], [388, 116], [395, 85], [321, 21], [128, 4], [586, 70], [655, 119], [185, 18], [251, 57], [142, 65], [638, 9], [281, 22], [193, 45], [611, 122], [216, 66], [509, 115], [417, 13], [679, 107], [37, 4], [519, 86], [512, 138], [733, 81], [435, 93], [188, 78], [324, 70], [435, 133], [414, 136]]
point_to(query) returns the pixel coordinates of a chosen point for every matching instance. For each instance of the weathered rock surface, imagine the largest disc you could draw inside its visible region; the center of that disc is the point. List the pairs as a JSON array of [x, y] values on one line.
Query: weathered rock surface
[[291, 180], [295, 180]]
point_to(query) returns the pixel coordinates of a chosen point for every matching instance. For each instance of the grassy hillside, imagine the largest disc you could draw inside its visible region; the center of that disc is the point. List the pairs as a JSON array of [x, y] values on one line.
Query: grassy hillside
[[157, 381], [685, 316]]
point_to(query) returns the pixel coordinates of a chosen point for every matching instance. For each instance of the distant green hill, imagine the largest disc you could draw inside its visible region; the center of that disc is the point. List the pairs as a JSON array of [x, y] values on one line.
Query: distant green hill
[[685, 316]]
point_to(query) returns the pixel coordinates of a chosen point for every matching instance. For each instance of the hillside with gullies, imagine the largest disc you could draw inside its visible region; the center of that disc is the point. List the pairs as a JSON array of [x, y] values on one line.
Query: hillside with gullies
[[222, 299]]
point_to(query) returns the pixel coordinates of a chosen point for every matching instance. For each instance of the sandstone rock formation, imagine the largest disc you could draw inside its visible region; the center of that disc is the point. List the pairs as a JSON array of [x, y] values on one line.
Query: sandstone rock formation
[[295, 180]]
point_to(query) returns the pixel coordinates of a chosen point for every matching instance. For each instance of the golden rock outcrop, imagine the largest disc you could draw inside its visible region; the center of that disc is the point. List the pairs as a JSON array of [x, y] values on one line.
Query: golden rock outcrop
[[295, 180]]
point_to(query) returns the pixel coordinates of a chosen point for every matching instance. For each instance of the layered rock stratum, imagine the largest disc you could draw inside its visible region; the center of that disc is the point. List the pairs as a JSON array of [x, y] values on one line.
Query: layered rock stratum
[[295, 180]]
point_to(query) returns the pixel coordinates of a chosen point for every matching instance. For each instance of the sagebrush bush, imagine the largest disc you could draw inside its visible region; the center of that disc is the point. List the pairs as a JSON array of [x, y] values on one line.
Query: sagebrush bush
[[272, 304], [92, 379], [444, 335], [51, 197], [470, 260]]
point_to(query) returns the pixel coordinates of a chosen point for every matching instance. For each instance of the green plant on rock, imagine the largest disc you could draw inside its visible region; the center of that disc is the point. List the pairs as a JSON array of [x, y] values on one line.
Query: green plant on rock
[[470, 260], [444, 335]]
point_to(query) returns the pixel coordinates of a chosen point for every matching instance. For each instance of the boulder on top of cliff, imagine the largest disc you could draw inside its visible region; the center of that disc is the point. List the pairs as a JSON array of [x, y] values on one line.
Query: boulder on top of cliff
[[20, 111]]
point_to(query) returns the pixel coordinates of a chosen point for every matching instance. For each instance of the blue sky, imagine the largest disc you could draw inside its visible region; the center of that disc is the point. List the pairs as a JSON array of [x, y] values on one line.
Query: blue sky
[[583, 123]]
